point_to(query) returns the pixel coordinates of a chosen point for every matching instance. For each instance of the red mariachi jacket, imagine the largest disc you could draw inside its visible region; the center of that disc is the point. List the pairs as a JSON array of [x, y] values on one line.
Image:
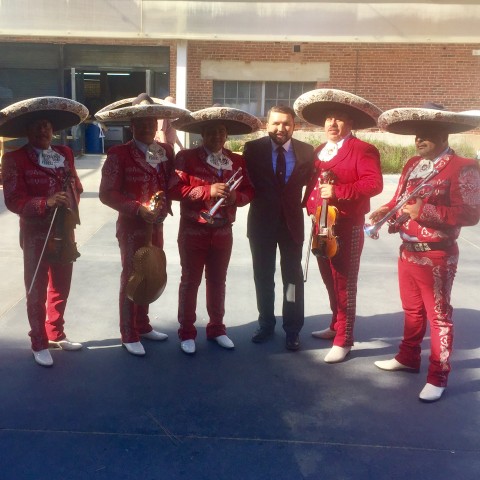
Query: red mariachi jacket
[[190, 184], [27, 185], [453, 203], [358, 174], [128, 181]]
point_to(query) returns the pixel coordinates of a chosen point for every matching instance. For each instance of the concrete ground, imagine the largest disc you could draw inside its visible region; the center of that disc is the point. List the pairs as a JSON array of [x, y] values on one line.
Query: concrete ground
[[257, 412]]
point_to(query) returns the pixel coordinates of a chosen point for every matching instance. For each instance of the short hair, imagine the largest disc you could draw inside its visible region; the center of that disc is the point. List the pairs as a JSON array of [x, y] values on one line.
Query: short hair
[[282, 109]]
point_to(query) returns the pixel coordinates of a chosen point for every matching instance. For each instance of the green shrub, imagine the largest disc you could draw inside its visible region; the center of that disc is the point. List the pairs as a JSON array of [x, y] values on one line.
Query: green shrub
[[392, 157], [235, 145]]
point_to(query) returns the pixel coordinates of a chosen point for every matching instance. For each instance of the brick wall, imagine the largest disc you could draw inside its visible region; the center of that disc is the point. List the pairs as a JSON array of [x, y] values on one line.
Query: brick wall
[[389, 75]]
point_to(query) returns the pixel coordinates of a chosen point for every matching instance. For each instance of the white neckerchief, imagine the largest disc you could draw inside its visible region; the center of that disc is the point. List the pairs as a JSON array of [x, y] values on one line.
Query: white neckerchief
[[155, 154], [424, 167], [330, 150], [49, 158], [219, 161]]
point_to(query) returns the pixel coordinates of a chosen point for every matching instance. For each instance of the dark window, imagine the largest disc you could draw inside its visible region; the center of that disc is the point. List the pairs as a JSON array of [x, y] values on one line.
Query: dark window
[[258, 97]]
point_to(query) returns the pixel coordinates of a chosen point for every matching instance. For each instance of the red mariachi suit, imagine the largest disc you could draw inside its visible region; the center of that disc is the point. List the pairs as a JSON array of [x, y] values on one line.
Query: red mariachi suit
[[358, 177], [27, 186], [128, 182], [426, 278], [202, 245]]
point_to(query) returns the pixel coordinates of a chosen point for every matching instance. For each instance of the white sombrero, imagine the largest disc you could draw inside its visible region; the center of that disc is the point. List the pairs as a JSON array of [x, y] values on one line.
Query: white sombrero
[[61, 112], [139, 107], [406, 121], [237, 122], [313, 107]]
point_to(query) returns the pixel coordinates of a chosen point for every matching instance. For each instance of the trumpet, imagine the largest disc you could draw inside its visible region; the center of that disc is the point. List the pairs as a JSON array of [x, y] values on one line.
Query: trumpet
[[372, 230], [233, 182]]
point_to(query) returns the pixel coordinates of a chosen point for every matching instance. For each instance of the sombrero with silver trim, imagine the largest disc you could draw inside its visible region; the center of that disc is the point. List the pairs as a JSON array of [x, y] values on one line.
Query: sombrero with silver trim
[[313, 107], [406, 121], [61, 112], [237, 122], [139, 107]]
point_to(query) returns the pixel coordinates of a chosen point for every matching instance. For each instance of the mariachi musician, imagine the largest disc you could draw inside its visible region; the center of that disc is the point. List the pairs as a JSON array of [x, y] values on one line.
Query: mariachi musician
[[41, 185], [429, 228], [132, 175], [210, 182], [348, 174]]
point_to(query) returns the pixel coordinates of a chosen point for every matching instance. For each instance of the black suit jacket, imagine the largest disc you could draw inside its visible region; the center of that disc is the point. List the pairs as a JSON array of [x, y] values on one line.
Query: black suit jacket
[[271, 202]]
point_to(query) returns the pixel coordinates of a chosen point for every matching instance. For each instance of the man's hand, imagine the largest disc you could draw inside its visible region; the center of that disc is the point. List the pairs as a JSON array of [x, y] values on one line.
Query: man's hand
[[231, 199], [219, 190], [327, 190], [413, 209], [59, 199], [148, 215], [378, 214]]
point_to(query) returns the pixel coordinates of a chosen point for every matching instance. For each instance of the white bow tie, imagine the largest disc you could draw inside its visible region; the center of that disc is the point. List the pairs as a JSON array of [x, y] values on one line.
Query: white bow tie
[[155, 154], [328, 152], [219, 161], [51, 159]]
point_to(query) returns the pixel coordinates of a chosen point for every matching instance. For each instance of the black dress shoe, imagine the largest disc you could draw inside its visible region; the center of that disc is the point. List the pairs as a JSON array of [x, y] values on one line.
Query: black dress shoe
[[262, 335], [293, 341]]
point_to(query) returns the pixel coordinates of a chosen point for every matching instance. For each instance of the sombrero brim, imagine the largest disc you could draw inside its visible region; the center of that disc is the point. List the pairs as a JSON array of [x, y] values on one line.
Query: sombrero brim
[[237, 122], [407, 121], [315, 105], [112, 114], [61, 112]]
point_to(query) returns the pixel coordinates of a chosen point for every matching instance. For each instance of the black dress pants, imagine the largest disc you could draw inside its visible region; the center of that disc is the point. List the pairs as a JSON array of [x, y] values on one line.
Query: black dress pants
[[264, 250]]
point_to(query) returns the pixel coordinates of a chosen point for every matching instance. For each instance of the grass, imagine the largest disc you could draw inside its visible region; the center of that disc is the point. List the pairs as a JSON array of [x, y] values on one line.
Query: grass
[[392, 157]]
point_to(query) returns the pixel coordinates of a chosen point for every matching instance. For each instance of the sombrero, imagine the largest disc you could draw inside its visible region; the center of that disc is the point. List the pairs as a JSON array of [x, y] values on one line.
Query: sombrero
[[406, 121], [61, 112], [139, 107], [237, 122], [313, 107]]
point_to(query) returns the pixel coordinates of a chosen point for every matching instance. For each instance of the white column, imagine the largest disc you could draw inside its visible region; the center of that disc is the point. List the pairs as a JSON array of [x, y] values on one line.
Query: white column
[[73, 81], [148, 82], [181, 84]]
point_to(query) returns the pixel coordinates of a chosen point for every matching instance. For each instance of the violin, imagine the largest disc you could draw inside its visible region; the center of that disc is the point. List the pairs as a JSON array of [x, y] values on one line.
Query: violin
[[324, 240], [149, 276], [61, 246]]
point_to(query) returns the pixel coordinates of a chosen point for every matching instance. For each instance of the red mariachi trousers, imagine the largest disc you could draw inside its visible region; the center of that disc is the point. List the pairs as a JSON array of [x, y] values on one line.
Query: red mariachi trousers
[[134, 319], [340, 275], [425, 281], [47, 300], [201, 246]]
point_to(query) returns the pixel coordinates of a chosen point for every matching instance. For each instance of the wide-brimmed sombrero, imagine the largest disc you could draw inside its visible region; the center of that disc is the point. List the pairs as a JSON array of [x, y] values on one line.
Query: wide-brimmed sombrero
[[406, 121], [237, 122], [61, 112], [313, 107], [139, 107]]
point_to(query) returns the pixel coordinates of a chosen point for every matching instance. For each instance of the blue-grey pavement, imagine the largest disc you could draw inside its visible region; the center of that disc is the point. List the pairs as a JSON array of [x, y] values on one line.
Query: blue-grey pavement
[[257, 412]]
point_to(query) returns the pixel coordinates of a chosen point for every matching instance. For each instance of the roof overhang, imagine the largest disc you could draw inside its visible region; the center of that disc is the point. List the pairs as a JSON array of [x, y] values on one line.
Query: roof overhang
[[265, 21]]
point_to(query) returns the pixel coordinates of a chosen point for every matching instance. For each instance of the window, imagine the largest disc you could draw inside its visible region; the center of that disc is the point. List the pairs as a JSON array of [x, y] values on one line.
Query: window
[[258, 97]]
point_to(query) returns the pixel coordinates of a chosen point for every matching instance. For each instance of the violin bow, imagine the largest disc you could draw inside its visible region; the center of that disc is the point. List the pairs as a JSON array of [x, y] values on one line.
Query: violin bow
[[309, 244]]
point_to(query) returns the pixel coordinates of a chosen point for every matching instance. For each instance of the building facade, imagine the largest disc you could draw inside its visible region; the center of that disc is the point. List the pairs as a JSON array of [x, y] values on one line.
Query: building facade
[[245, 54]]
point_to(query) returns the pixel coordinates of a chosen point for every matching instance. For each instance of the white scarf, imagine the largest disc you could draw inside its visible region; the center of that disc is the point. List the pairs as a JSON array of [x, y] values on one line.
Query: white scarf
[[155, 154], [219, 161], [49, 158], [328, 151], [423, 168]]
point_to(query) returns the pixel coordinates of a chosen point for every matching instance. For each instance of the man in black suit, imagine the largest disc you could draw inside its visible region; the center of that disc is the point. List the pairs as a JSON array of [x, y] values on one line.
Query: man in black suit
[[279, 166]]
